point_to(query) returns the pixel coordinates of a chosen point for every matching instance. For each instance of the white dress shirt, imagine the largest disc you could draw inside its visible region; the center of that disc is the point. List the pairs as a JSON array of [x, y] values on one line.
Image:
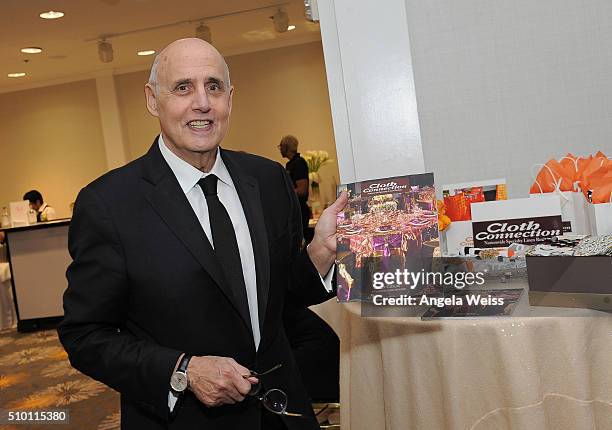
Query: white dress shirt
[[188, 177], [47, 213]]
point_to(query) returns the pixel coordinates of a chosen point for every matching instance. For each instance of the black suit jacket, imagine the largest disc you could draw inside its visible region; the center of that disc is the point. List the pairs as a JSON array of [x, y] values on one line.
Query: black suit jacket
[[145, 286]]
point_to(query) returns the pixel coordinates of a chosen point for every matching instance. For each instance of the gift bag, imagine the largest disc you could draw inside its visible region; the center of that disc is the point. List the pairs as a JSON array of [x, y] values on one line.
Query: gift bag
[[573, 203], [473, 195], [599, 216], [597, 187], [457, 207]]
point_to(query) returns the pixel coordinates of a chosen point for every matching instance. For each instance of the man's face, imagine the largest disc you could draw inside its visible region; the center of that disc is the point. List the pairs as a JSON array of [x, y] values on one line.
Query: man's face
[[283, 149], [193, 100]]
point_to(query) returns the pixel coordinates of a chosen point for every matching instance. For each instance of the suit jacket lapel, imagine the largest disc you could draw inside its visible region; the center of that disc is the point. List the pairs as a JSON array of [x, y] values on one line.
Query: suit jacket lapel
[[248, 191], [171, 204]]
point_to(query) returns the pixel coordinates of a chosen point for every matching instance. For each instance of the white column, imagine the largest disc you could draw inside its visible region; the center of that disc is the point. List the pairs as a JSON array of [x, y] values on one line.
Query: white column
[[371, 88], [114, 140]]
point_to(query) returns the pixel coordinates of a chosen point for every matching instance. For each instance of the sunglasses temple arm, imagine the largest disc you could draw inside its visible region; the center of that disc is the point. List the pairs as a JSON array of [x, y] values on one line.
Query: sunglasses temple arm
[[322, 410]]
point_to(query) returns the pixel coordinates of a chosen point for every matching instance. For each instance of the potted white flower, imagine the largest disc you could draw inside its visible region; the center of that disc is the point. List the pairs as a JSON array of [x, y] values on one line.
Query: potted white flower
[[315, 160]]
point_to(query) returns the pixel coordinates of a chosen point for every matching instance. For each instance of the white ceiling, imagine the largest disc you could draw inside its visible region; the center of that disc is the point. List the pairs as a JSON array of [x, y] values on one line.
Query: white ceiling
[[70, 43]]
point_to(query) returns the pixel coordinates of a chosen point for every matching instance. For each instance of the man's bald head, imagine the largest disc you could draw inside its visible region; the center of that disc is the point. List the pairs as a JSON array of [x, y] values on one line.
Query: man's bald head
[[177, 48], [189, 92]]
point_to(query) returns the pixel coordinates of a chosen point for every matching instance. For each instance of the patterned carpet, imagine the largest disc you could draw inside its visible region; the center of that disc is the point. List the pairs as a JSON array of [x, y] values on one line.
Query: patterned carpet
[[35, 374]]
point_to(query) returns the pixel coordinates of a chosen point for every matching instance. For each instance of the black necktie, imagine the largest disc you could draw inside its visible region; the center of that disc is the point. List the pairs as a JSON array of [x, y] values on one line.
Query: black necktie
[[225, 244]]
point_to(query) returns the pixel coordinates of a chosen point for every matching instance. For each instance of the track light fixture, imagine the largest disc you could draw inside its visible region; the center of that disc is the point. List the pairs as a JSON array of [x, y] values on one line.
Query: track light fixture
[[202, 31], [105, 51], [311, 10], [281, 21]]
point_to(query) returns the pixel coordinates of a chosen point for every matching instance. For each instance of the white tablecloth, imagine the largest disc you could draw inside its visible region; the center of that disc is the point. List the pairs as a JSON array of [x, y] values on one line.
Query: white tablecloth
[[7, 307], [527, 373]]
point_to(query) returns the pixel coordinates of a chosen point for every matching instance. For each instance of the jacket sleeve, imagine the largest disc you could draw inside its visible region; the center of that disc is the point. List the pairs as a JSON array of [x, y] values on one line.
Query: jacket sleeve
[[305, 284], [95, 313]]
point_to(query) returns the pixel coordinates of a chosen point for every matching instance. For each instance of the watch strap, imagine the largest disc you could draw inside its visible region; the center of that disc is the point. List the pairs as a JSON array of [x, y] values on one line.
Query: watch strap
[[182, 367]]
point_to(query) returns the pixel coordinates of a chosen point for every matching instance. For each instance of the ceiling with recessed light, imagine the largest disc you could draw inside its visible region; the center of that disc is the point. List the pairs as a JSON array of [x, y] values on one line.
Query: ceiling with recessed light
[[70, 43]]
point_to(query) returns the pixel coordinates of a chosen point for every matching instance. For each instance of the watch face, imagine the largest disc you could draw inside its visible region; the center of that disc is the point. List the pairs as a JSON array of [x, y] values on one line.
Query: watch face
[[178, 381]]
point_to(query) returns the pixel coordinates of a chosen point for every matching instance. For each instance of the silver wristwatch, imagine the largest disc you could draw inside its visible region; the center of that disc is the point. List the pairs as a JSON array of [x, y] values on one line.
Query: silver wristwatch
[[179, 381]]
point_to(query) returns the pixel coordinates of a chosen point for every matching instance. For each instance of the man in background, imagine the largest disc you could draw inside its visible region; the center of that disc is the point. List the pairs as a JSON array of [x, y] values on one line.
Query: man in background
[[298, 171], [44, 212]]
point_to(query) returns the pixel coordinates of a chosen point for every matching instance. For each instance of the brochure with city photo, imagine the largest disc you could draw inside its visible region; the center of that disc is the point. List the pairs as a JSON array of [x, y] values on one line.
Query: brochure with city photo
[[387, 224]]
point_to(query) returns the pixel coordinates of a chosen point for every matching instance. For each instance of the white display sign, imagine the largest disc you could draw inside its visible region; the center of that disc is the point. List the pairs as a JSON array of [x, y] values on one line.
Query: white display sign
[[19, 213], [528, 221]]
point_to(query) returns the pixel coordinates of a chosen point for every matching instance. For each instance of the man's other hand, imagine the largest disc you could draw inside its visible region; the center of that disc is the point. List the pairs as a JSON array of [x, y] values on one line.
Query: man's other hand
[[322, 249], [217, 381]]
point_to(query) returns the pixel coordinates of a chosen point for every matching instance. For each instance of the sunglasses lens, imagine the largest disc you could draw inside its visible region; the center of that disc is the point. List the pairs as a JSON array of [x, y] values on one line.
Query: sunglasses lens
[[275, 401]]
